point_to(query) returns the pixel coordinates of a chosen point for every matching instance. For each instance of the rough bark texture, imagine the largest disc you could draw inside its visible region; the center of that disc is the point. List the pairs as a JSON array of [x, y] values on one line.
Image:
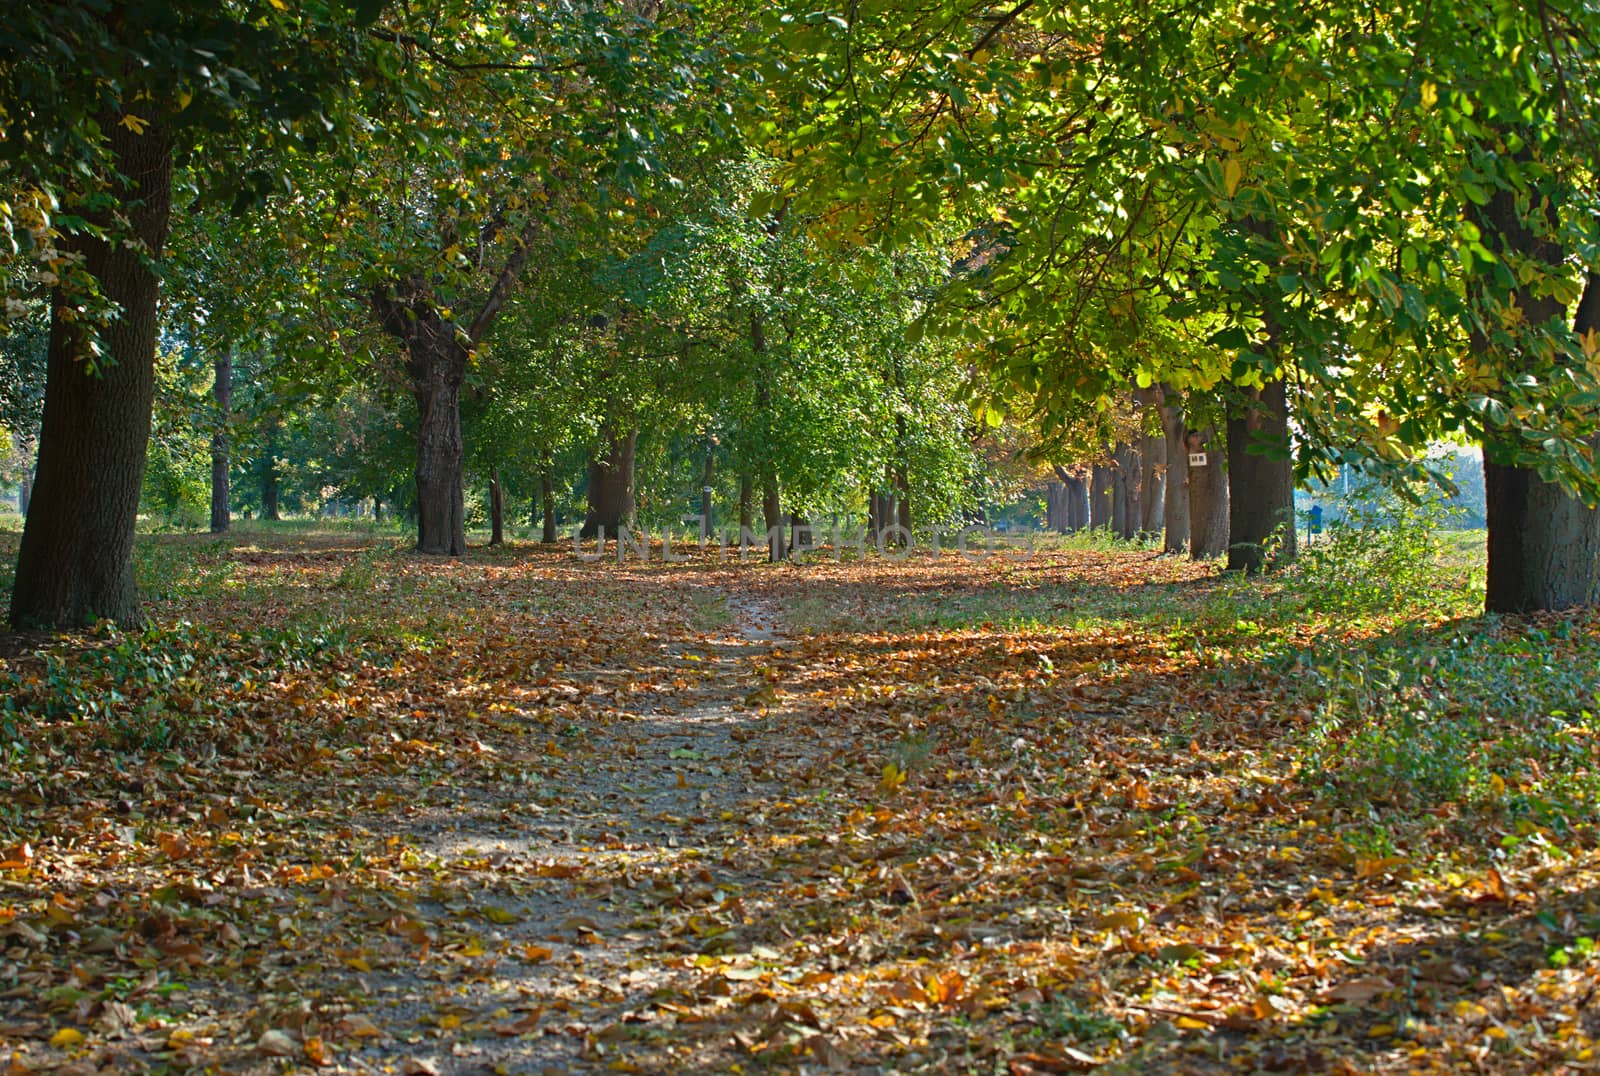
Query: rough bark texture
[[75, 564], [1125, 491], [1055, 507], [1544, 546], [747, 496], [1100, 482], [1208, 496], [1152, 469], [611, 502], [1077, 502], [436, 362], [497, 509], [222, 393], [547, 501], [772, 516], [1175, 504], [1260, 485]]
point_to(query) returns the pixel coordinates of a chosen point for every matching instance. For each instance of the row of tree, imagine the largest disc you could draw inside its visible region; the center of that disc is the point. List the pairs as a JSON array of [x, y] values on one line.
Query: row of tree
[[849, 255]]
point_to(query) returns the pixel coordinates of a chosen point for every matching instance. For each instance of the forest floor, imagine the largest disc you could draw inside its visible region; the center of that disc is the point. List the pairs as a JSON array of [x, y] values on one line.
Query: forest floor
[[343, 807]]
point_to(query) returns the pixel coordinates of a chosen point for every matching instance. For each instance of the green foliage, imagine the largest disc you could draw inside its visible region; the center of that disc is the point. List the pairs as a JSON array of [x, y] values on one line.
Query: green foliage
[[1467, 713], [1379, 556]]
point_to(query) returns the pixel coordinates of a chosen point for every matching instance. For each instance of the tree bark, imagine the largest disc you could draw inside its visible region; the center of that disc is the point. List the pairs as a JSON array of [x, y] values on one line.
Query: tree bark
[[1055, 506], [1208, 496], [1544, 546], [76, 560], [1100, 498], [497, 509], [547, 498], [772, 516], [436, 361], [222, 393], [747, 495], [1152, 469], [377, 509], [1125, 491], [611, 501], [1077, 498], [1261, 482], [1175, 507]]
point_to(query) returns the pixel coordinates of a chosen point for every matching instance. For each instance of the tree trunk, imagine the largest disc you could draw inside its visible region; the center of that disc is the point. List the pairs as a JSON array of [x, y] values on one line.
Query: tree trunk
[[1100, 499], [1077, 498], [1055, 506], [707, 474], [1261, 482], [1152, 469], [611, 503], [76, 560], [222, 392], [1544, 546], [497, 509], [441, 500], [772, 516], [1175, 508], [747, 496], [547, 497], [1208, 496], [1125, 491], [377, 509]]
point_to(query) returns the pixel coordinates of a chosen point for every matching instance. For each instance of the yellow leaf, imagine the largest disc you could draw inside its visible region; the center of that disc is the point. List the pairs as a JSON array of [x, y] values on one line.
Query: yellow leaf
[[1430, 95], [134, 123], [1232, 173], [66, 1038], [893, 777], [1189, 1023]]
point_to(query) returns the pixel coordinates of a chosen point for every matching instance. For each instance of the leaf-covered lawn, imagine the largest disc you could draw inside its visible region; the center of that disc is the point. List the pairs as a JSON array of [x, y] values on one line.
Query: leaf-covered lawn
[[345, 807]]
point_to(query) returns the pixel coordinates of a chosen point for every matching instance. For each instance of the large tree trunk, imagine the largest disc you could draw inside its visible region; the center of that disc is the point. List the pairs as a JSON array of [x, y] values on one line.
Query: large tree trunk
[[76, 560], [772, 516], [1125, 491], [1544, 546], [441, 500], [1152, 471], [747, 496], [547, 498], [222, 392], [1261, 482], [1055, 506], [1100, 498], [1208, 496], [1077, 502], [497, 509], [1175, 507], [611, 503]]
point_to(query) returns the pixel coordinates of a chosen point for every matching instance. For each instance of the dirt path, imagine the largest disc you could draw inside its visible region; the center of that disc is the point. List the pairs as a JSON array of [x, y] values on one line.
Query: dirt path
[[627, 854]]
